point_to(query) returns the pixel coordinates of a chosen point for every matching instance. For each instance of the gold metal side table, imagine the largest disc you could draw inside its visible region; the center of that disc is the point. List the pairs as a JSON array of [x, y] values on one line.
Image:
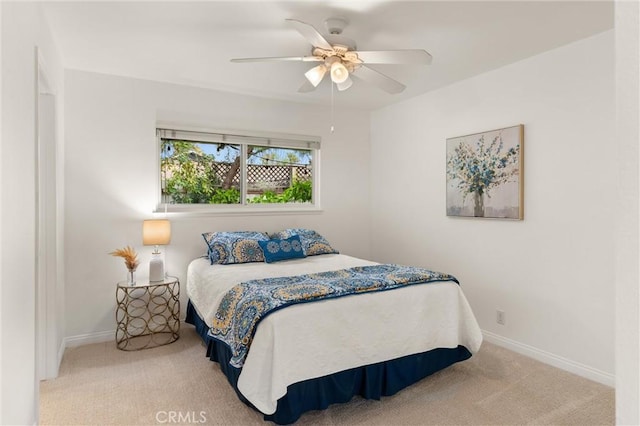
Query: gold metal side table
[[148, 314]]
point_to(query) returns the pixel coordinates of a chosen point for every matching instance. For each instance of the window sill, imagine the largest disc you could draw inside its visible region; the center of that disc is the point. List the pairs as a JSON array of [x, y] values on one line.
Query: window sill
[[226, 210]]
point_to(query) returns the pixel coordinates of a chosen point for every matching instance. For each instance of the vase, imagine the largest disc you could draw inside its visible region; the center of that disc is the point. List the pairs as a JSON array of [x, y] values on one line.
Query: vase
[[131, 277]]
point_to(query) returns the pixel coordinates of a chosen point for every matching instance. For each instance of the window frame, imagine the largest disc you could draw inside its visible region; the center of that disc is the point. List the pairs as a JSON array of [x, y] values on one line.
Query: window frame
[[244, 139]]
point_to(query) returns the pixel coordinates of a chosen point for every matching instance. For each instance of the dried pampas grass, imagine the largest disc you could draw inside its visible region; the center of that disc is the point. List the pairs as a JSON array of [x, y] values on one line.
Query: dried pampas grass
[[129, 255]]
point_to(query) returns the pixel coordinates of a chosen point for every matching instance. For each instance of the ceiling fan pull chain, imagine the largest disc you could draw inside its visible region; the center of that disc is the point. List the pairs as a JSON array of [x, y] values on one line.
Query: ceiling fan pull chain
[[332, 107]]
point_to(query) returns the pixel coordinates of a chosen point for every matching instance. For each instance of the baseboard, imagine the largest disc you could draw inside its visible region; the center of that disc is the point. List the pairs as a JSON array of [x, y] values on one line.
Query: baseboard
[[85, 339], [63, 346], [551, 359]]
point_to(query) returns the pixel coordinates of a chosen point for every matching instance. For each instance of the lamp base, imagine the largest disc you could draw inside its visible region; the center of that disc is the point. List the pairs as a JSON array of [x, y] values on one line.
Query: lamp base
[[156, 268]]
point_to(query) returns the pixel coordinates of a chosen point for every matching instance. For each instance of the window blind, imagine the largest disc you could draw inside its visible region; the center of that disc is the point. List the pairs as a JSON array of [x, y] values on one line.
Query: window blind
[[303, 142]]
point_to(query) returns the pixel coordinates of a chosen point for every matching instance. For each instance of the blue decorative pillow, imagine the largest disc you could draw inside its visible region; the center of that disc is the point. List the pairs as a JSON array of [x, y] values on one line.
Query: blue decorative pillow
[[276, 250], [234, 247], [312, 242]]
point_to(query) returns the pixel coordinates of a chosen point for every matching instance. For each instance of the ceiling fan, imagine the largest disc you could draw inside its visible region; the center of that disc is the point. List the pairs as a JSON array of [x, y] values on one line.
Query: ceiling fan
[[338, 56]]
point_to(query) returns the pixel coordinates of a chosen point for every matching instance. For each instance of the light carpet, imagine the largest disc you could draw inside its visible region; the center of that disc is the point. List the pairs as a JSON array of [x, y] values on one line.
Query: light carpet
[[176, 384]]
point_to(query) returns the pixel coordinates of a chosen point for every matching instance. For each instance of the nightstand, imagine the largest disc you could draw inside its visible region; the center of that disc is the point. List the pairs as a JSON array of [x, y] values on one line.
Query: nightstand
[[148, 314]]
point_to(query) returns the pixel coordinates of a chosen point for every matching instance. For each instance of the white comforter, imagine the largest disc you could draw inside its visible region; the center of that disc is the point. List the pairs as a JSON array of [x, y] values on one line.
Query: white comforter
[[316, 339]]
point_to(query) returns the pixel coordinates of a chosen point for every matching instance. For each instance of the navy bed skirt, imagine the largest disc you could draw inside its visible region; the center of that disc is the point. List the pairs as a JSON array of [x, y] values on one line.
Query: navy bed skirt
[[371, 381]]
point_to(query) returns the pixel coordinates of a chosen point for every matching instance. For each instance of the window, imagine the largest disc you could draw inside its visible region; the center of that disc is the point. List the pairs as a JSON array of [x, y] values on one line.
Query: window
[[221, 170]]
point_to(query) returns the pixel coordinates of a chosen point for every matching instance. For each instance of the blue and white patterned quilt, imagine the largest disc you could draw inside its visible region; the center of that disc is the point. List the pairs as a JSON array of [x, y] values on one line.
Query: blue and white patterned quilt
[[246, 304]]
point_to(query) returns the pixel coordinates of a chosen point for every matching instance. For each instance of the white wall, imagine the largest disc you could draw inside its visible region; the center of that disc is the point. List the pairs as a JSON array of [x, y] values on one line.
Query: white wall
[[110, 166], [23, 28], [2, 374], [50, 299], [553, 273], [628, 133]]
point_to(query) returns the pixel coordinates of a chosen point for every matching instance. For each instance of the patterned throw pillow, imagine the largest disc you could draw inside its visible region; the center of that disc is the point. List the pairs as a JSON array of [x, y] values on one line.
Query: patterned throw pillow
[[312, 242], [234, 247], [276, 250]]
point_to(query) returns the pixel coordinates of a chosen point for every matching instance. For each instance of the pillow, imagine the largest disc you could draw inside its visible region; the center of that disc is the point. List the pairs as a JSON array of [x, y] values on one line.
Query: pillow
[[276, 250], [312, 242], [234, 247]]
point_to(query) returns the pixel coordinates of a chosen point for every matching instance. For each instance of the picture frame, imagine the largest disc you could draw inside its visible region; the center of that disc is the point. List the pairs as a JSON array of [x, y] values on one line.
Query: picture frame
[[485, 174]]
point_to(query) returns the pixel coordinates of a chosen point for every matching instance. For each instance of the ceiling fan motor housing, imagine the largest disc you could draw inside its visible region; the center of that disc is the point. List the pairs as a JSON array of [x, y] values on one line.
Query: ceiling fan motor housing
[[336, 24]]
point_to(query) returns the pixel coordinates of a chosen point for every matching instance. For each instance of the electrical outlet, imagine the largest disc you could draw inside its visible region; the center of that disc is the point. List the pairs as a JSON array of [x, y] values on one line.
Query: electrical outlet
[[500, 317]]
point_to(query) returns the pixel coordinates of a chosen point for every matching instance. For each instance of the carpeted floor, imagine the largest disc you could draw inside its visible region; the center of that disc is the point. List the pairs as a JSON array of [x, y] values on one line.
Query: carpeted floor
[[99, 384]]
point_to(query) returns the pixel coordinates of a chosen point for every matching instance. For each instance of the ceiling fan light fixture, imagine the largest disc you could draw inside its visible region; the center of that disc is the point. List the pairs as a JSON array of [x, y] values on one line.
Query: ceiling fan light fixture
[[345, 84], [316, 74], [339, 73]]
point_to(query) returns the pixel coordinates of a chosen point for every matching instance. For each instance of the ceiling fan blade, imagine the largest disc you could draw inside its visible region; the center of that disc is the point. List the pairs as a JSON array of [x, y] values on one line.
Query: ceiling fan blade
[[311, 34], [409, 56], [307, 87], [280, 59], [379, 80]]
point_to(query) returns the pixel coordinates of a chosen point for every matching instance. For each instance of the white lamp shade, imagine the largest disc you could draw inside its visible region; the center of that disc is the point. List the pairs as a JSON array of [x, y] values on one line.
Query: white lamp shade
[[316, 74], [345, 84], [339, 73], [156, 232]]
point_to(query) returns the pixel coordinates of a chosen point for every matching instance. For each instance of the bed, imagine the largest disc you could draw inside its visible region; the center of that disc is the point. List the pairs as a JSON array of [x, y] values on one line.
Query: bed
[[311, 355]]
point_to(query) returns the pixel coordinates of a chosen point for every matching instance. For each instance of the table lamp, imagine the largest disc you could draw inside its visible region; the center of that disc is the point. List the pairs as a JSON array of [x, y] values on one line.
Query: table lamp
[[156, 232]]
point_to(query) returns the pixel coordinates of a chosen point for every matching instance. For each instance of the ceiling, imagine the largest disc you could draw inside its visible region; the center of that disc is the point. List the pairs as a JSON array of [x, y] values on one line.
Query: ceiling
[[191, 43]]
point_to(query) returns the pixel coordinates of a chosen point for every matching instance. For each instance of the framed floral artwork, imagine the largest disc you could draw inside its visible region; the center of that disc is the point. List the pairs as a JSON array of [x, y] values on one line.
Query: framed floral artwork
[[485, 174]]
